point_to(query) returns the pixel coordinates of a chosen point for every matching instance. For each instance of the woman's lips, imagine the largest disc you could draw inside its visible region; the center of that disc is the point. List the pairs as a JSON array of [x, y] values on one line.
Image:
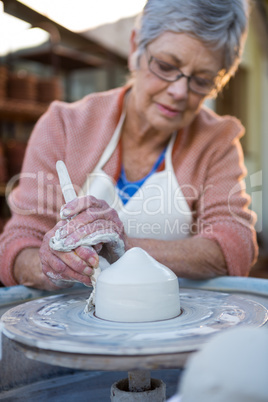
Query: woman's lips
[[167, 110]]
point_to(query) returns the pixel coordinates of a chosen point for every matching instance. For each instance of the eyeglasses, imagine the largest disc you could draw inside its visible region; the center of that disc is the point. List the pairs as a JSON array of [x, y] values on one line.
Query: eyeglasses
[[170, 73]]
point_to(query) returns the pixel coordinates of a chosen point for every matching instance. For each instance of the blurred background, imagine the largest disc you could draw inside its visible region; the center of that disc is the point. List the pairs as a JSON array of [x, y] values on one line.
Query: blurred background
[[65, 49]]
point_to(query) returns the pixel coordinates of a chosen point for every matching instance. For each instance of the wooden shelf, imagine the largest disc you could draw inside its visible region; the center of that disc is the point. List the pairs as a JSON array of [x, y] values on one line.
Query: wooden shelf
[[21, 110], [60, 57]]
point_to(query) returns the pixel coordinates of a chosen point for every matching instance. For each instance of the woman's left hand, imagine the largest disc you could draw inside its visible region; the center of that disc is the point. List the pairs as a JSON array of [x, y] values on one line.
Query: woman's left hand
[[90, 219]]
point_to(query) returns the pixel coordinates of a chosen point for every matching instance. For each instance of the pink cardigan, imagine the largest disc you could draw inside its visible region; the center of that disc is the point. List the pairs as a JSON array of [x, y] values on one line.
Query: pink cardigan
[[207, 160]]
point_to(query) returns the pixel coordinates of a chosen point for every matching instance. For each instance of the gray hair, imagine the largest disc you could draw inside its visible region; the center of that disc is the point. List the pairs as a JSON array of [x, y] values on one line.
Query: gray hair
[[219, 24]]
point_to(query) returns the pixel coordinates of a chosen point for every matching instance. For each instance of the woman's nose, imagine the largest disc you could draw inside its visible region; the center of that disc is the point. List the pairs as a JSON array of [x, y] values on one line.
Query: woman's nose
[[179, 89]]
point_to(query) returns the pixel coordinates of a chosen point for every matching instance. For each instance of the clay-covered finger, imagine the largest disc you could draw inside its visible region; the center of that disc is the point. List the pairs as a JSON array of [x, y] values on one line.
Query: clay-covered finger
[[90, 231], [88, 254], [61, 265], [81, 204], [82, 223], [69, 268], [88, 216]]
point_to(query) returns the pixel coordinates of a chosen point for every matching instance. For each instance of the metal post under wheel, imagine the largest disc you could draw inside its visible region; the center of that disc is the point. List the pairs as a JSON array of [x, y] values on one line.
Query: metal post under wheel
[[139, 386]]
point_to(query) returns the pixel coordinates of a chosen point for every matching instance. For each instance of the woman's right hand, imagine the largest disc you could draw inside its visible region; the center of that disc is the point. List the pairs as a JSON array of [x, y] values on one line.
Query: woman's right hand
[[65, 268], [82, 217]]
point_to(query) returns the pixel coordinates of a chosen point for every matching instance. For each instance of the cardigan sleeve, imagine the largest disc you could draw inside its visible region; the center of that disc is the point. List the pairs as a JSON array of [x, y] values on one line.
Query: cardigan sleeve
[[35, 202], [222, 211]]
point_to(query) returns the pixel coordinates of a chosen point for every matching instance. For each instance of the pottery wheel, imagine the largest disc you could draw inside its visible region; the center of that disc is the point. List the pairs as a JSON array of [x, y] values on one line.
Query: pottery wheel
[[58, 323]]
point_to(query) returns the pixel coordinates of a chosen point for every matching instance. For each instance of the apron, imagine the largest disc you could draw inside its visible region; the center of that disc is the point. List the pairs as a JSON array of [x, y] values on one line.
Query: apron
[[158, 210]]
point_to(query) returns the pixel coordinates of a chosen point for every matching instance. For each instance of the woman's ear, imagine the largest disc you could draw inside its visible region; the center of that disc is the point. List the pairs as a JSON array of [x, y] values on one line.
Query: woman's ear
[[133, 54]]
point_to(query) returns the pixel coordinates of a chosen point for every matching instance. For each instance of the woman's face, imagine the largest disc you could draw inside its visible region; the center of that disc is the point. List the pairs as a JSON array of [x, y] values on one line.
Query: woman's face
[[168, 106]]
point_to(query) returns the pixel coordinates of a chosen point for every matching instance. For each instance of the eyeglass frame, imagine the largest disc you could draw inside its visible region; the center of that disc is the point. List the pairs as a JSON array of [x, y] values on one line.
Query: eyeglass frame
[[214, 89]]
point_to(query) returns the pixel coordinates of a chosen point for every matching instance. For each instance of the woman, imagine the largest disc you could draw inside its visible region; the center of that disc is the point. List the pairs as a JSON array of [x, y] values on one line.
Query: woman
[[169, 168]]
